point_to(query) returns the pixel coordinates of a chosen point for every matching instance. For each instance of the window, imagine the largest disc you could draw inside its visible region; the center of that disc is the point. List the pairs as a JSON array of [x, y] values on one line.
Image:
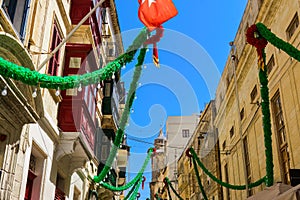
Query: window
[[32, 163], [281, 137], [17, 11], [224, 145], [54, 61], [247, 159], [231, 132], [75, 62], [271, 64], [76, 194], [242, 114], [107, 89], [185, 133], [103, 16], [253, 94], [292, 27]]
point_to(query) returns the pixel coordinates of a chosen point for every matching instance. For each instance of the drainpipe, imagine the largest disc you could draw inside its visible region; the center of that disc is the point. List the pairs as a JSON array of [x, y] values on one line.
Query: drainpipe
[[233, 51]]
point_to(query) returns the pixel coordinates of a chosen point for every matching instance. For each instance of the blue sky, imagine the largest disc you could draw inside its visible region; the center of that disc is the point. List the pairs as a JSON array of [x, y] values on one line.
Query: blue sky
[[192, 54]]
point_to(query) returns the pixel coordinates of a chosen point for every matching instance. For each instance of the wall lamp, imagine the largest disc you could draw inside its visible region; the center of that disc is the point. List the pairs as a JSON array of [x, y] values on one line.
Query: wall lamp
[[201, 136]]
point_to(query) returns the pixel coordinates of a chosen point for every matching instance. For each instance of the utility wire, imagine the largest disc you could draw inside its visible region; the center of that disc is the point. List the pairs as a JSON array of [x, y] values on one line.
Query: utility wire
[[173, 147]]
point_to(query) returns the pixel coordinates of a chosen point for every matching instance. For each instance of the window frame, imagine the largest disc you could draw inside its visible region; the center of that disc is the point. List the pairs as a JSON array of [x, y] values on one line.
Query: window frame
[[291, 29], [56, 38], [185, 133]]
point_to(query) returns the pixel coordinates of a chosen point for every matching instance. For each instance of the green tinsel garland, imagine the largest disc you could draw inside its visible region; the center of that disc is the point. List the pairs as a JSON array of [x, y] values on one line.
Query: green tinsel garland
[[199, 180], [133, 181], [124, 117], [220, 182], [132, 189], [29, 77], [265, 107], [277, 42], [169, 193], [173, 189]]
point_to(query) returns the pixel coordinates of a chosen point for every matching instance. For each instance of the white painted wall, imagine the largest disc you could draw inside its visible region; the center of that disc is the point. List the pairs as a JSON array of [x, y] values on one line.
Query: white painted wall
[[175, 140]]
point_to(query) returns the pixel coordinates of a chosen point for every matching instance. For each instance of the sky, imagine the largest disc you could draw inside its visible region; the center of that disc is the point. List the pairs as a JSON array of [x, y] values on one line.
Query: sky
[[192, 54]]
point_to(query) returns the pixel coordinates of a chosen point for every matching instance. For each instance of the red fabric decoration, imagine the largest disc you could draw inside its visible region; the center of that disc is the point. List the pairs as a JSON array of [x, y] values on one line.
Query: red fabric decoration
[[143, 182], [258, 42], [165, 181], [154, 13], [153, 40], [188, 154]]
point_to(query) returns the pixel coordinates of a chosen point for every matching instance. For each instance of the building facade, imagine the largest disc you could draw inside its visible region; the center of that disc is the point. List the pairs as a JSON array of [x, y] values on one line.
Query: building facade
[[239, 117], [157, 186], [204, 141], [51, 140], [179, 130]]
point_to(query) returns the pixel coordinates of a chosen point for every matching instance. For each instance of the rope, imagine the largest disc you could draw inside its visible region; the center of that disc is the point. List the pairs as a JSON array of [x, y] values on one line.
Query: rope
[[29, 77], [173, 189], [124, 117], [199, 180], [133, 181], [265, 107], [220, 182], [277, 42]]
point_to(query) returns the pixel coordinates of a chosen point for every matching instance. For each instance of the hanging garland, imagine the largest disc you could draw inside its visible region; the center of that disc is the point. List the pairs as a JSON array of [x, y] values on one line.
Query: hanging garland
[[29, 77], [199, 180], [134, 191], [124, 117], [277, 42], [168, 188], [259, 42], [220, 182], [173, 189], [133, 181], [131, 190], [265, 107]]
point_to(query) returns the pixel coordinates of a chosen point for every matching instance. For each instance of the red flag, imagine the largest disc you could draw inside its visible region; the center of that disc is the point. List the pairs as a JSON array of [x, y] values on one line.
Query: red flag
[[153, 13]]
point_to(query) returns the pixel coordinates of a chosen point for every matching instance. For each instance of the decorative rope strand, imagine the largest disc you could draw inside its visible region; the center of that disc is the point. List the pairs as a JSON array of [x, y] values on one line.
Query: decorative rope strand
[[169, 193], [131, 190], [265, 107], [277, 42], [133, 181], [29, 77], [135, 190], [220, 182], [173, 189], [124, 117], [199, 180]]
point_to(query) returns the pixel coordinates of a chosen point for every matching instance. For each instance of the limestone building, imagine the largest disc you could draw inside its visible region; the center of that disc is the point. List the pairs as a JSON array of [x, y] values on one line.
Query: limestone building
[[204, 141], [179, 130], [239, 118], [158, 166], [49, 139]]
